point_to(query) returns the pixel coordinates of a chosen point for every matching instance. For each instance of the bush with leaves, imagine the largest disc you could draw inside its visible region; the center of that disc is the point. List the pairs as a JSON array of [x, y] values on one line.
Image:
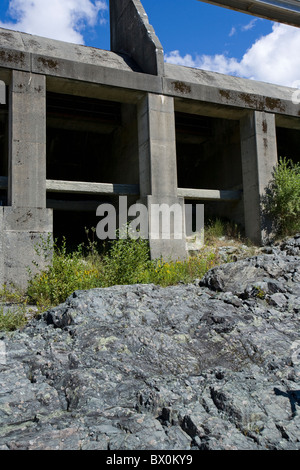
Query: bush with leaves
[[67, 272], [127, 262], [282, 202]]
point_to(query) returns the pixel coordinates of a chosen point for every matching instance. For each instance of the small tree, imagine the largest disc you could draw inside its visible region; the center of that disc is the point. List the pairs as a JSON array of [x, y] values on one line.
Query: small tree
[[283, 198]]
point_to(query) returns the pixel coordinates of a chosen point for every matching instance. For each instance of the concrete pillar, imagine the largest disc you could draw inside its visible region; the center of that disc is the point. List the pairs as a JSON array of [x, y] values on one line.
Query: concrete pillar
[[158, 172], [25, 221], [27, 135], [259, 157]]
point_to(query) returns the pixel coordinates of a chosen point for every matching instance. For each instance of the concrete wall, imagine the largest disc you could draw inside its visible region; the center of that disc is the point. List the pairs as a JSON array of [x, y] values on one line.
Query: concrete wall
[[132, 34]]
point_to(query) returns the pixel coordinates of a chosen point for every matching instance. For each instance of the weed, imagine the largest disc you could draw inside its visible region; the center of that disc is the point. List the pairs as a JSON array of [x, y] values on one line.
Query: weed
[[12, 319]]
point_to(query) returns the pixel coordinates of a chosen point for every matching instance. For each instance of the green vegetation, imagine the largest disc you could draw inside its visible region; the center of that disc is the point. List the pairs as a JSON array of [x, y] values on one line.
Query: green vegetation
[[123, 261], [126, 261], [12, 319], [282, 202], [217, 229]]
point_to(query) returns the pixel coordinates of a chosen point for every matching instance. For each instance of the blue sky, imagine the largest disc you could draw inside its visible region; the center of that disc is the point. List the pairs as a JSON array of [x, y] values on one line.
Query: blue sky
[[192, 33], [199, 28]]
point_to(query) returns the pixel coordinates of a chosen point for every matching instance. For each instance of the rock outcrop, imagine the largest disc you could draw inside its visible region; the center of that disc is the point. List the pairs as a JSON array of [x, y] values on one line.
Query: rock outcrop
[[209, 366]]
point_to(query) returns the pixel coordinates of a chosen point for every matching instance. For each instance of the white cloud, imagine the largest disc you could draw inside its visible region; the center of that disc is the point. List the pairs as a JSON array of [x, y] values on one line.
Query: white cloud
[[232, 31], [249, 25], [273, 58], [56, 19]]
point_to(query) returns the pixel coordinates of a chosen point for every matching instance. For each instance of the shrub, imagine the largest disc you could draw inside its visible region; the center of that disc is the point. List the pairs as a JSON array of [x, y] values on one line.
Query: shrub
[[127, 262], [282, 201], [67, 273], [166, 273]]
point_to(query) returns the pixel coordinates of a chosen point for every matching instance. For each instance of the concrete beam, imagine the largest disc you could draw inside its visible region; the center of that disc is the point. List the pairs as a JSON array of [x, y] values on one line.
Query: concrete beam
[[132, 34], [86, 68], [80, 187], [108, 189], [233, 93], [210, 194], [259, 158], [91, 73], [281, 11]]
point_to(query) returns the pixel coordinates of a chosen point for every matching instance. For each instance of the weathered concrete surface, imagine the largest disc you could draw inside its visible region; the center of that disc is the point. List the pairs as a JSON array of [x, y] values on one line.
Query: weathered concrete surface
[[179, 368], [31, 45], [283, 12], [59, 60], [203, 87], [27, 140], [157, 146], [259, 159], [158, 170], [132, 34], [22, 230]]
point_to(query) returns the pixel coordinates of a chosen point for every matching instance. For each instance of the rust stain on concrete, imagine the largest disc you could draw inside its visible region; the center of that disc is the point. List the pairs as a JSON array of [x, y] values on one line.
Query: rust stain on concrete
[[50, 63], [181, 87]]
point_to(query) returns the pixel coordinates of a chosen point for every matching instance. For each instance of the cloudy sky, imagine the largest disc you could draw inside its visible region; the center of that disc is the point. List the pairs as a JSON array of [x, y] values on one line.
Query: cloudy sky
[[192, 33]]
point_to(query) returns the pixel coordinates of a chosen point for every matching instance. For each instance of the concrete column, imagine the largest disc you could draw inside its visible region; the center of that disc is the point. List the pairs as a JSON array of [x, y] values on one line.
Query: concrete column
[[157, 146], [158, 172], [259, 157], [25, 220], [27, 135]]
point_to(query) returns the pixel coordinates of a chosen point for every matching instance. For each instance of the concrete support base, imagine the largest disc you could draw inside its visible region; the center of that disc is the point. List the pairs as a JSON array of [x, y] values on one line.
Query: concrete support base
[[167, 228], [21, 232]]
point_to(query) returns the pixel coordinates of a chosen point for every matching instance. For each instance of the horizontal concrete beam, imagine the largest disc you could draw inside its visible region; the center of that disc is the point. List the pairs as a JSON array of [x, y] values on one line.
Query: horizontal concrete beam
[[235, 98], [86, 68], [57, 186], [111, 189], [81, 74], [210, 194], [281, 11]]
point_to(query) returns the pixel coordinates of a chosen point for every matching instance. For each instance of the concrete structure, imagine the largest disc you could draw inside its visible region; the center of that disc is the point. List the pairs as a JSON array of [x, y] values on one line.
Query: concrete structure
[[82, 126], [281, 11]]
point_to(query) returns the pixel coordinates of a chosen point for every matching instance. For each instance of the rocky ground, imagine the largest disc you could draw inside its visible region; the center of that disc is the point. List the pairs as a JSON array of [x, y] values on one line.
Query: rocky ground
[[212, 365]]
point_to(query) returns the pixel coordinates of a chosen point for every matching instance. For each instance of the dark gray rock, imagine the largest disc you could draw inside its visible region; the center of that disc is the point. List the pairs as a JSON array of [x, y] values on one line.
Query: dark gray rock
[[179, 368]]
